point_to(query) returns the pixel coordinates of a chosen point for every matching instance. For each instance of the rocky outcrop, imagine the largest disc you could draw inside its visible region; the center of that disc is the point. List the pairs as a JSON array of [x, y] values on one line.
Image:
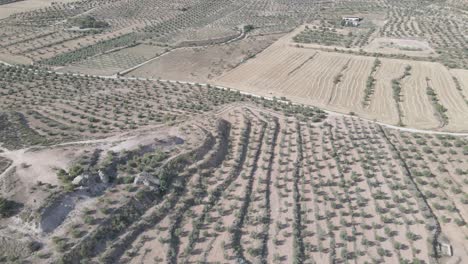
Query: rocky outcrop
[[83, 180], [103, 177], [146, 179]]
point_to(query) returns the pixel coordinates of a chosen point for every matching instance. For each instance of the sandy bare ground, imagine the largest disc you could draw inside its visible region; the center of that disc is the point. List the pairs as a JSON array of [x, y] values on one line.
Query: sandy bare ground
[[410, 47], [14, 59], [203, 63]]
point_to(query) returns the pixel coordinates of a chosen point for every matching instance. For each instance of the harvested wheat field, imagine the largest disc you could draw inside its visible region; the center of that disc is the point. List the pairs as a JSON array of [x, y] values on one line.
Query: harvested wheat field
[[460, 77], [382, 103], [419, 105], [393, 91]]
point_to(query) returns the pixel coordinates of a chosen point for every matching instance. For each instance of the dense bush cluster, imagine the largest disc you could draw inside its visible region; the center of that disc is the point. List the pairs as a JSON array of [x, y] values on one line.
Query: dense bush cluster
[[89, 22]]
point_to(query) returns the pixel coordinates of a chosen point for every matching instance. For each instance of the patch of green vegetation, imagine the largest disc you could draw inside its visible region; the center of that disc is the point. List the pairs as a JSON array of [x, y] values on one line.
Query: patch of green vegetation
[[248, 28], [15, 132], [67, 177], [125, 179], [148, 162], [396, 87], [438, 107], [60, 243], [129, 213], [6, 207], [89, 22], [324, 36], [370, 84], [102, 46]]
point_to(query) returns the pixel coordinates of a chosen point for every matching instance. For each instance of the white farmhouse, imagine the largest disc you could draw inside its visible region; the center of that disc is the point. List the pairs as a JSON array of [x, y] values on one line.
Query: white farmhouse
[[351, 21]]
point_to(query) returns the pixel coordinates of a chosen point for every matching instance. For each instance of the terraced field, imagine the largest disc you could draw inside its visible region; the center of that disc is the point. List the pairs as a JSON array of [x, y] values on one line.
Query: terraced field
[[222, 131]]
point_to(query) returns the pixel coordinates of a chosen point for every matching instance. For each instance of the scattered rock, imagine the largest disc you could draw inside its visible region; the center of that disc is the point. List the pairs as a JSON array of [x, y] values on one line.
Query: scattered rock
[[90, 180], [103, 177], [146, 179], [81, 180]]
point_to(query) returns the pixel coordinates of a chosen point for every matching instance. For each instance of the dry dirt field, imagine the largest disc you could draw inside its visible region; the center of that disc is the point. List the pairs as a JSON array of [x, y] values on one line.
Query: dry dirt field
[[201, 64], [338, 82]]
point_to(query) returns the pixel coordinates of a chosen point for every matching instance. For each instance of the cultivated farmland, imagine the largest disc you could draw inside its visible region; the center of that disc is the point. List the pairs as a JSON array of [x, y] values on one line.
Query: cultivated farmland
[[117, 61], [396, 94], [12, 7], [262, 187], [233, 131]]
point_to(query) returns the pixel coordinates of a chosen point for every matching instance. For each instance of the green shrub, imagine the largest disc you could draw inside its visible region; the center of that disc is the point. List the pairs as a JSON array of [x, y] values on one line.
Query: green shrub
[[6, 207], [89, 22]]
